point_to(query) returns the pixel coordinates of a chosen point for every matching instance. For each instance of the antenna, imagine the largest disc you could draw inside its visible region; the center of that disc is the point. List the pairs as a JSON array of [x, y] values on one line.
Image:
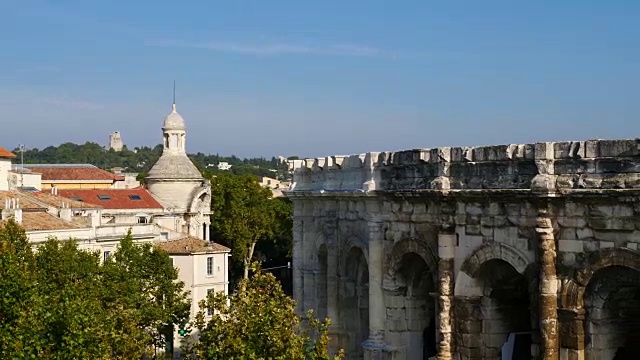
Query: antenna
[[174, 92]]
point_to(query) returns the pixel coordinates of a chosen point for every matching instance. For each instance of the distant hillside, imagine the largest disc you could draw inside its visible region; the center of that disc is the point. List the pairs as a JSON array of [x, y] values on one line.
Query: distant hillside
[[140, 159]]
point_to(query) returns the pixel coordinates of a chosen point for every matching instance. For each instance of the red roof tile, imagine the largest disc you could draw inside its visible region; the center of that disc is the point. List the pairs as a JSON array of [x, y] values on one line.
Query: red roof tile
[[6, 153], [137, 198], [75, 173], [57, 201]]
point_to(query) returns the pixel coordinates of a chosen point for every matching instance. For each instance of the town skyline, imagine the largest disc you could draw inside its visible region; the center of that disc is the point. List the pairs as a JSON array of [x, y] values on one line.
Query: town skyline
[[322, 79]]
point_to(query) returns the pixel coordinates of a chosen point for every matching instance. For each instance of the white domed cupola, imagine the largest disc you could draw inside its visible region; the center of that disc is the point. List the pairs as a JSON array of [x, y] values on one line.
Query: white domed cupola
[[173, 178], [174, 132]]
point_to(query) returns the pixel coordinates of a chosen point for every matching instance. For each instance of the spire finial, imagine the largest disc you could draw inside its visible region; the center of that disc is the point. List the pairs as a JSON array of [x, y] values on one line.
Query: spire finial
[[173, 108]]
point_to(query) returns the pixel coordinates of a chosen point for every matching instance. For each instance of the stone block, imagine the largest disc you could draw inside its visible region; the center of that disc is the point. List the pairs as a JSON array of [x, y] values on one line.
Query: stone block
[[618, 148], [570, 245], [601, 211], [473, 230], [544, 151], [568, 233], [626, 224], [591, 148], [505, 234], [572, 222], [632, 246], [584, 233], [590, 245], [606, 244], [472, 340]]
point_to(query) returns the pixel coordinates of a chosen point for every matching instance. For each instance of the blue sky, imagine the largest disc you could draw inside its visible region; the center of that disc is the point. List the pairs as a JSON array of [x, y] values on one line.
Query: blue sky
[[263, 78]]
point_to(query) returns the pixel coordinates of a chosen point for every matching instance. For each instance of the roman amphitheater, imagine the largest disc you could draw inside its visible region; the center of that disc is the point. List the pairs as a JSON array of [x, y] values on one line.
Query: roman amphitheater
[[524, 251]]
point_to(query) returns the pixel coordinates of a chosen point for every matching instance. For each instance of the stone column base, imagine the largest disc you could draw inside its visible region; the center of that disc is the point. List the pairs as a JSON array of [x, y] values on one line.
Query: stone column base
[[375, 349]]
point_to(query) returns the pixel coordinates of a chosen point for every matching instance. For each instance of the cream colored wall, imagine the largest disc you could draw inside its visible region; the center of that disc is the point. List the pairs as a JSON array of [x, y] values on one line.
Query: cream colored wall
[[5, 167], [26, 180], [174, 194]]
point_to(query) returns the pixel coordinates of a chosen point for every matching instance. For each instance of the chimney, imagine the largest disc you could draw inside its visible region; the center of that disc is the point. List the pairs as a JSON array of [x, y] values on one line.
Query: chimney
[[12, 209], [65, 212]]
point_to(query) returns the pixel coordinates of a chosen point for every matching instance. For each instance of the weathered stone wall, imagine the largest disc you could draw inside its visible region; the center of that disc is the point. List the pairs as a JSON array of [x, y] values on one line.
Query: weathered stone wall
[[450, 250]]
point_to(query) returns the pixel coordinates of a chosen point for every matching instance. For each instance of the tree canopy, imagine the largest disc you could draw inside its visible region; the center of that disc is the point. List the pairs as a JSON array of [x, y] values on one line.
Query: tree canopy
[[244, 214], [141, 159], [257, 321], [63, 303]]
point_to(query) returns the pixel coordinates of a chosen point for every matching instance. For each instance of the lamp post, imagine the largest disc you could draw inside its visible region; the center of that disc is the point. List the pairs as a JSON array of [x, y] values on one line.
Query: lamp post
[[22, 149]]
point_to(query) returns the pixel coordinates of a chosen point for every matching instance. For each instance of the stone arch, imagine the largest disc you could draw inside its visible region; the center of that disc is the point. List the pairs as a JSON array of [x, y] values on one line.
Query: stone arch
[[353, 291], [584, 297], [410, 281], [495, 282], [345, 247], [412, 245], [321, 281], [495, 251], [573, 290]]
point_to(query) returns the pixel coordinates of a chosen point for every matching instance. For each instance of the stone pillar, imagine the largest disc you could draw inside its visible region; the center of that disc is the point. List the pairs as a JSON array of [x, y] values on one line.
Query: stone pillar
[[572, 332], [548, 305], [446, 251], [297, 264], [374, 345], [468, 315], [335, 330]]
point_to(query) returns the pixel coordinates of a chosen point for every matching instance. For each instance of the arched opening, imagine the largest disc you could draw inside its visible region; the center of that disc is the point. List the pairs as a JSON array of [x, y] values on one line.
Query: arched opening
[[321, 283], [411, 306], [506, 311], [612, 322], [355, 307]]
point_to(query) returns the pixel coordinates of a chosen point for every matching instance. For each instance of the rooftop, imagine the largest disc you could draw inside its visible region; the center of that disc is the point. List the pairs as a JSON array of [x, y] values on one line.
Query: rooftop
[[4, 153], [24, 202], [40, 221], [192, 245], [73, 172], [57, 201], [137, 198]]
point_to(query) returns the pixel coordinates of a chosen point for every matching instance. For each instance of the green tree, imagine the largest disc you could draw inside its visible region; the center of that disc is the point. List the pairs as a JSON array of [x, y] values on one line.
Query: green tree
[[62, 303], [243, 214], [140, 287], [258, 321], [69, 285], [20, 306]]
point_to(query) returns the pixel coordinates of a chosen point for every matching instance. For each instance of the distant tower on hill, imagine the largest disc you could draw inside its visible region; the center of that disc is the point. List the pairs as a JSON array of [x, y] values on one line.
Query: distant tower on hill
[[115, 141]]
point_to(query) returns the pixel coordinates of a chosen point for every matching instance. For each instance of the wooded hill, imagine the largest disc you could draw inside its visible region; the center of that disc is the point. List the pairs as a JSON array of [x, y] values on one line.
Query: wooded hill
[[140, 159]]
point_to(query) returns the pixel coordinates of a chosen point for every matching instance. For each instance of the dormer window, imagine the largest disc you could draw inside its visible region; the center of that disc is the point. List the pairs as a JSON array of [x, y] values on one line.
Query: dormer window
[[104, 197], [76, 198], [135, 197]]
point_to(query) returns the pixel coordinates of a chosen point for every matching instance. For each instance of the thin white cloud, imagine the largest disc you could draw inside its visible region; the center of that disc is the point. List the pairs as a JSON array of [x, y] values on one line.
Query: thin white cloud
[[71, 103], [272, 49]]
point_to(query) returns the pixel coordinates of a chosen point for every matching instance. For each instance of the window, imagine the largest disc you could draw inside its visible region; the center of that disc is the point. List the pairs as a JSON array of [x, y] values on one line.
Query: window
[[106, 255], [142, 220], [209, 292], [135, 197], [210, 265], [104, 197], [164, 235], [76, 198]]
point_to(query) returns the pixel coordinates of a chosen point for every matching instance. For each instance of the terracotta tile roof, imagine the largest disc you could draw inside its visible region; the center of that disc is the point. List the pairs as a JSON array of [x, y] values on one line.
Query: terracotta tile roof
[[6, 153], [38, 221], [25, 203], [191, 245], [136, 198], [56, 201], [73, 173]]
